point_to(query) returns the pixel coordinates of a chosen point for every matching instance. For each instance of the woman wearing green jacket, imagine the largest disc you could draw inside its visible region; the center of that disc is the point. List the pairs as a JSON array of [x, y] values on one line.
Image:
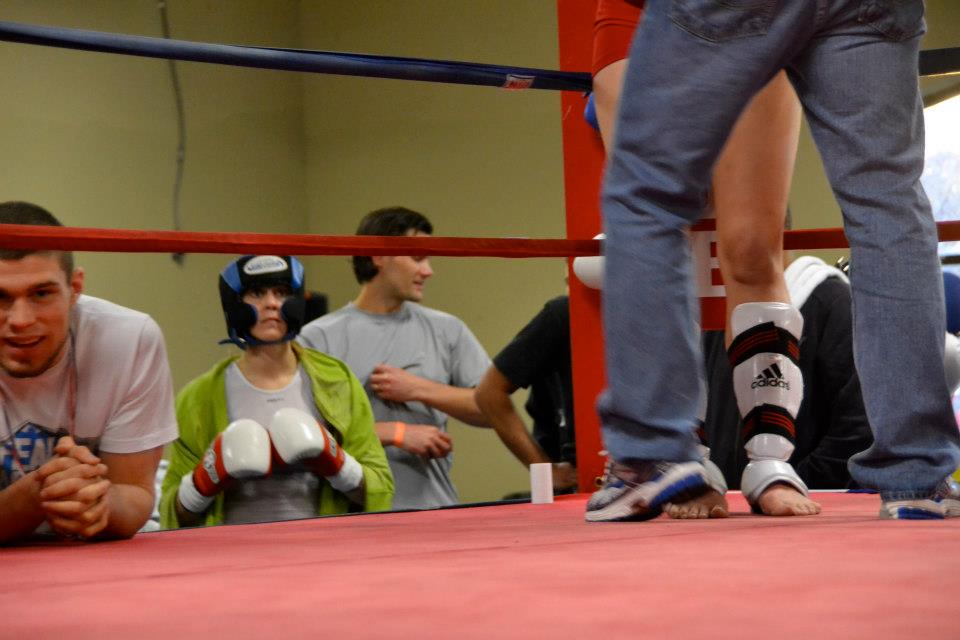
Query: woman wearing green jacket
[[237, 460]]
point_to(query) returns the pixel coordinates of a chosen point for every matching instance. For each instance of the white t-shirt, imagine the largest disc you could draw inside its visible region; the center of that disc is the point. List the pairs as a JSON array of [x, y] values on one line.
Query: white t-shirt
[[124, 394]]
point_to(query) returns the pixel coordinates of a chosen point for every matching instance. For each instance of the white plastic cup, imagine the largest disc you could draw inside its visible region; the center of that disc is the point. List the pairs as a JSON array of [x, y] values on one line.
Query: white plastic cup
[[541, 483]]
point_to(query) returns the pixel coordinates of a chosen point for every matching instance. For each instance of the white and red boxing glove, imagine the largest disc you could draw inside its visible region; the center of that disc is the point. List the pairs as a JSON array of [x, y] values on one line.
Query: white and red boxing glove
[[241, 451], [298, 438]]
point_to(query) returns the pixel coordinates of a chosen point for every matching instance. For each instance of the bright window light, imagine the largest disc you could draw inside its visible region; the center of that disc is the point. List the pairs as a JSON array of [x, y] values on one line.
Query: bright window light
[[941, 175]]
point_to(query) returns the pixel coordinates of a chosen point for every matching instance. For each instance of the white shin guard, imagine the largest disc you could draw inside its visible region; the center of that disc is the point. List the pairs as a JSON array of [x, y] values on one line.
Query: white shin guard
[[768, 386], [768, 464], [762, 376]]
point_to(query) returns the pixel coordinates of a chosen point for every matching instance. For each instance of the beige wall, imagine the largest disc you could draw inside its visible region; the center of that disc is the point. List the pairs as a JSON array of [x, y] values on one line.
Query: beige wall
[[92, 137], [477, 161]]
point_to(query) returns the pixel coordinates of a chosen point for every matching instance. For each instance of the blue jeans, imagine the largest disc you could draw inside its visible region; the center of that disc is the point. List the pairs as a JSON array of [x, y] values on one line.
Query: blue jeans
[[694, 64]]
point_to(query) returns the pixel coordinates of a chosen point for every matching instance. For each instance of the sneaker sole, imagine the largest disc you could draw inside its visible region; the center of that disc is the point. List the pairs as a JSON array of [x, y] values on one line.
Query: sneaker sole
[[912, 510], [683, 482]]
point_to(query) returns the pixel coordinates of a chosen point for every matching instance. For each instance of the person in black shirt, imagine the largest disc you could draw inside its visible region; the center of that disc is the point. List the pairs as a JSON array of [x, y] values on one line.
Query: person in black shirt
[[538, 357]]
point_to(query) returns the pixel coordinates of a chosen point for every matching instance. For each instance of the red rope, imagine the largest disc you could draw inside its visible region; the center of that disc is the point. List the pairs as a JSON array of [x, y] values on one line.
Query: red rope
[[29, 237], [131, 241]]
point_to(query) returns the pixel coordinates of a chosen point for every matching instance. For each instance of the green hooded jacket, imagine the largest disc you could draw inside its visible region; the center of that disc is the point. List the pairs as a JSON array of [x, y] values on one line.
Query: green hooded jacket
[[341, 400]]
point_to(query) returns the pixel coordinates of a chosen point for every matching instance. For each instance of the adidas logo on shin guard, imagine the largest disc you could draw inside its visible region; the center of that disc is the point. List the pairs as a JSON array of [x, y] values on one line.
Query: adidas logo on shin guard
[[771, 377]]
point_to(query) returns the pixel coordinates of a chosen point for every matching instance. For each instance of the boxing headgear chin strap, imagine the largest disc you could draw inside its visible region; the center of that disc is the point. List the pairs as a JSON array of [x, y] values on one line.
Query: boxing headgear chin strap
[[250, 272]]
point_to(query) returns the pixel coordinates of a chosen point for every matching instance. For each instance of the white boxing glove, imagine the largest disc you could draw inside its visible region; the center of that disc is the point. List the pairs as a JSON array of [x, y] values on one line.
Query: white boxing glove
[[298, 438], [241, 451]]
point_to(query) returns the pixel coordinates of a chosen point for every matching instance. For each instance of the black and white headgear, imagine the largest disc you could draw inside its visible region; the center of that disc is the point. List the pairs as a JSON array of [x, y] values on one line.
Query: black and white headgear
[[250, 272]]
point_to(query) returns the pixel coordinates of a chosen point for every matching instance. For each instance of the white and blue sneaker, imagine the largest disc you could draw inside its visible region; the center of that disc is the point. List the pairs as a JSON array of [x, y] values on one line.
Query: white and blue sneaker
[[950, 498], [944, 503], [639, 490]]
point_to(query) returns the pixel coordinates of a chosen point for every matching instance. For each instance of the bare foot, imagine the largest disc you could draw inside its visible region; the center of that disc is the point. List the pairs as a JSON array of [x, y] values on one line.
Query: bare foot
[[709, 505], [784, 500]]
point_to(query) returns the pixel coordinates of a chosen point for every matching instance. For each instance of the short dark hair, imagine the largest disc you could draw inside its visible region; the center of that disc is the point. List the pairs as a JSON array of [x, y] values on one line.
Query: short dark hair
[[389, 221], [16, 212]]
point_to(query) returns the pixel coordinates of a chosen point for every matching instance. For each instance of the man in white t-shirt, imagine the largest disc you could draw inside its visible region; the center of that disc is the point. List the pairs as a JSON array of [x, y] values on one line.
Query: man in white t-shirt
[[86, 400]]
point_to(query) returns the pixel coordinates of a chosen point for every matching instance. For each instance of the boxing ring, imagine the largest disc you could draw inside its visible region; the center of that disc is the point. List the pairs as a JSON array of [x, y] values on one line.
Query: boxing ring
[[507, 571], [510, 570]]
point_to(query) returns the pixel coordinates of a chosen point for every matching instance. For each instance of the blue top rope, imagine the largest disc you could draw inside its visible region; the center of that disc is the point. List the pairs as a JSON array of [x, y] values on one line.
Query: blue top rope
[[349, 64]]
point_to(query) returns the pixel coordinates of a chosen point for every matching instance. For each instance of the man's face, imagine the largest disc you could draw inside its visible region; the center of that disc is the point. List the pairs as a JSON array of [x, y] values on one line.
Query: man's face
[[270, 325], [36, 297], [404, 276]]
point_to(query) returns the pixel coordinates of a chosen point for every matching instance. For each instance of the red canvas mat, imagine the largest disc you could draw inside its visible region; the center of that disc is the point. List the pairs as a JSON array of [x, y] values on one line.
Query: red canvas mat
[[510, 571]]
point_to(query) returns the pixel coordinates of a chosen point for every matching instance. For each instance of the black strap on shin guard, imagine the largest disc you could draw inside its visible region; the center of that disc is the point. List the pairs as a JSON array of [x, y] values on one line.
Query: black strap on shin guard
[[769, 418], [763, 338]]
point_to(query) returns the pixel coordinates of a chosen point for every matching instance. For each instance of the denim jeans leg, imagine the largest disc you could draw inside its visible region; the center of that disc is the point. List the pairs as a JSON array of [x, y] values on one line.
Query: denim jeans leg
[[686, 83], [858, 86]]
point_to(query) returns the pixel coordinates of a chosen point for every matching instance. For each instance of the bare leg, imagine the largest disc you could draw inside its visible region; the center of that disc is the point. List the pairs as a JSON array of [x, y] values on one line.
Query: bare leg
[[751, 184], [606, 94]]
